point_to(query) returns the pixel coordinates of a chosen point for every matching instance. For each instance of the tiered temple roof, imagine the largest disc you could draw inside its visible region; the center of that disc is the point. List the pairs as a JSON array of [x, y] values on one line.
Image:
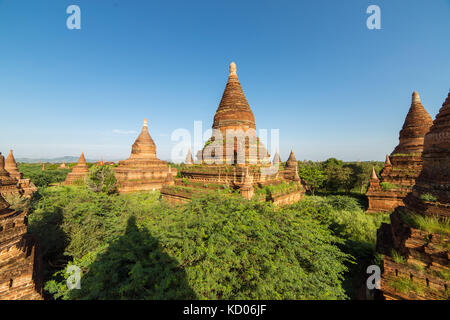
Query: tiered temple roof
[[423, 266], [20, 260], [143, 170], [404, 164], [79, 172]]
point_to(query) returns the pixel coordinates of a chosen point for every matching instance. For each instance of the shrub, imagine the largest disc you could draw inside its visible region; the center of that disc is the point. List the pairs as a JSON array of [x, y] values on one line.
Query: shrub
[[101, 179], [428, 197]]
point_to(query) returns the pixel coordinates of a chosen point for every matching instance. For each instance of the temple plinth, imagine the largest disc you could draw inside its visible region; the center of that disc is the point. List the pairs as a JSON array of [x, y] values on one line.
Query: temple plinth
[[79, 172], [20, 259], [143, 171], [234, 158], [27, 187], [404, 165], [416, 252]]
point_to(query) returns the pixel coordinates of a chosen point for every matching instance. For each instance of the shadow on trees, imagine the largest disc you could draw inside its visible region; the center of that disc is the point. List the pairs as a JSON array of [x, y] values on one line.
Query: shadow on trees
[[360, 197], [134, 267], [51, 238]]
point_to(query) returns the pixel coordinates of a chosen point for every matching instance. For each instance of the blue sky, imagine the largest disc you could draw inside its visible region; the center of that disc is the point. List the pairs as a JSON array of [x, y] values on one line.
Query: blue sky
[[311, 69]]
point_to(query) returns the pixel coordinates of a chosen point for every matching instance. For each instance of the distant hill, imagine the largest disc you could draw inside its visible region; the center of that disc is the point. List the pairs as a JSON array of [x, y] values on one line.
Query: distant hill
[[67, 159]]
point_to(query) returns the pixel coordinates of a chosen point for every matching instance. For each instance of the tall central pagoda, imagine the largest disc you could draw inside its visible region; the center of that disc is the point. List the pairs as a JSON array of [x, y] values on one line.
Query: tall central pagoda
[[234, 156]]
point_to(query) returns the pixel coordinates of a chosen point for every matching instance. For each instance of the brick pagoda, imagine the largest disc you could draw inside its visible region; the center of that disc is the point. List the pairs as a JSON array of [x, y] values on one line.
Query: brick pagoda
[[404, 164], [8, 184], [234, 157], [143, 171], [78, 173], [20, 260], [26, 185], [416, 255]]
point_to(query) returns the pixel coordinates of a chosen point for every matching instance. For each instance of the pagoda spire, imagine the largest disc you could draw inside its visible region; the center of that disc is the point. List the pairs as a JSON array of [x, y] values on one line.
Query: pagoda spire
[[82, 159], [388, 161], [417, 124], [189, 159], [11, 166], [373, 176], [276, 158], [234, 111], [291, 161], [144, 146]]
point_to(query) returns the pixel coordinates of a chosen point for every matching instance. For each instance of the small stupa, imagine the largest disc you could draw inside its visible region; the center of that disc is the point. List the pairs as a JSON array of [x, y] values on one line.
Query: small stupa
[[276, 158], [8, 184], [189, 159], [79, 172], [27, 187], [142, 171], [11, 166], [62, 166], [291, 168], [404, 164]]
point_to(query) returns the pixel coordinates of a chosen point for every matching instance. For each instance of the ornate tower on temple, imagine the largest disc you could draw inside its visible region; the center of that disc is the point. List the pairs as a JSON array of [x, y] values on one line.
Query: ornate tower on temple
[[143, 170], [78, 173], [20, 261], [416, 243], [404, 164]]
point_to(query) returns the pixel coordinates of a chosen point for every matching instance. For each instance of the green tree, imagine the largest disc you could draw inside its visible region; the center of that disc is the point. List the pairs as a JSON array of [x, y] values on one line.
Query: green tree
[[312, 174], [338, 176], [211, 248], [101, 179]]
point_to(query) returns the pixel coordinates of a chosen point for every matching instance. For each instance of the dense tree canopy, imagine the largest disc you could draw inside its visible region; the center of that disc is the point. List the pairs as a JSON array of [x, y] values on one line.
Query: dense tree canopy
[[212, 248]]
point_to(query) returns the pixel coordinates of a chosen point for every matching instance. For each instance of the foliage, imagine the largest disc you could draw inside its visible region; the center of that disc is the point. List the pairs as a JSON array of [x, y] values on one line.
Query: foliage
[[312, 174], [101, 179], [389, 186], [212, 248], [430, 224], [277, 189], [345, 217], [428, 197], [43, 178], [334, 176], [17, 202], [398, 258]]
